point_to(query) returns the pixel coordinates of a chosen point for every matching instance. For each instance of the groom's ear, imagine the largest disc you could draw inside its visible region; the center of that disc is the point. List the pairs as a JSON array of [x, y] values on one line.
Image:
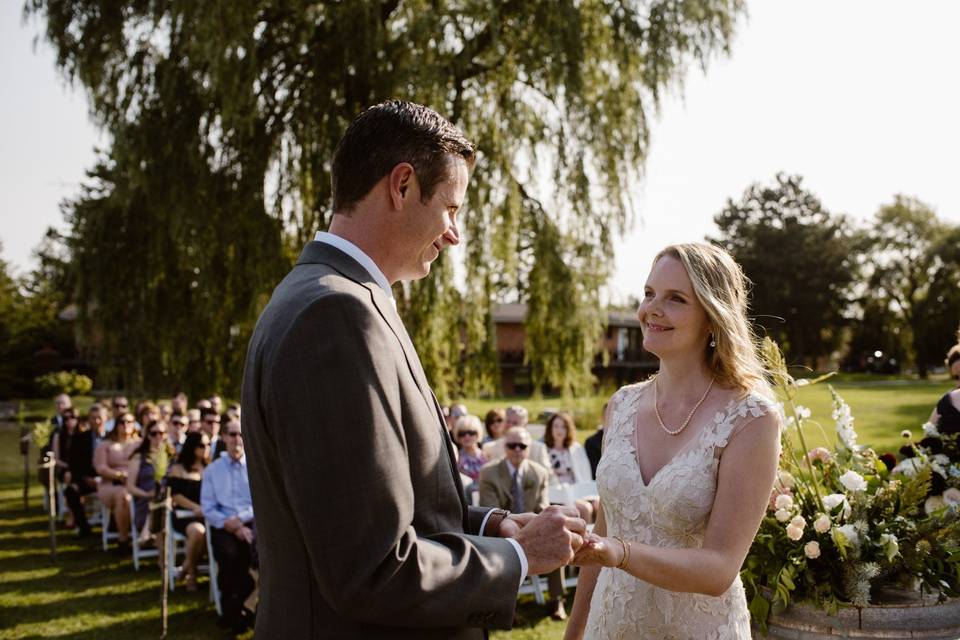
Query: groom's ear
[[401, 181]]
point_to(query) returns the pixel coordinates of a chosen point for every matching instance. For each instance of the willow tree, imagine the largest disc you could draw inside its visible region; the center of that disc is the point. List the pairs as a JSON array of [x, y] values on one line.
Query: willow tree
[[556, 93]]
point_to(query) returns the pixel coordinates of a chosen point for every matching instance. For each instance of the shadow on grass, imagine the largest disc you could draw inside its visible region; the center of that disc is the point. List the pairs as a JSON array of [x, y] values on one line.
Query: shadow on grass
[[98, 604]]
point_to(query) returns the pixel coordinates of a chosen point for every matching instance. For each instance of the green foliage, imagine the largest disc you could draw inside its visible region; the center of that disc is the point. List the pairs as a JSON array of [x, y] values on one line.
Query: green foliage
[[915, 276], [68, 382], [33, 338], [207, 102], [776, 233]]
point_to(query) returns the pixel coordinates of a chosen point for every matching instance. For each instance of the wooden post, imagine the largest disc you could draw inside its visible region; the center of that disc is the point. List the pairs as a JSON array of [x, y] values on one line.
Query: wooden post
[[164, 560], [25, 437], [50, 465]]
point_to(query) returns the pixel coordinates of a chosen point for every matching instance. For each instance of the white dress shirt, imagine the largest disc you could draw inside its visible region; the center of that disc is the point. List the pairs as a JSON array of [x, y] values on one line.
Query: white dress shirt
[[357, 254], [367, 263]]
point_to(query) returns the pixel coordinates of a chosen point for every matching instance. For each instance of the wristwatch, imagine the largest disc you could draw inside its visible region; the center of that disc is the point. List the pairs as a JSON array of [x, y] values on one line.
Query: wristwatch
[[496, 517]]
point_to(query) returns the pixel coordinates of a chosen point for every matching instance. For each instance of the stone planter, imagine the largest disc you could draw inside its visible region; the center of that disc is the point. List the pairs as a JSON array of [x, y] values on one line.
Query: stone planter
[[903, 615]]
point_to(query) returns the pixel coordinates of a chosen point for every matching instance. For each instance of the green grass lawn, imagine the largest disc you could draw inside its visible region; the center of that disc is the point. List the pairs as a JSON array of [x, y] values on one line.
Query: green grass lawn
[[91, 594]]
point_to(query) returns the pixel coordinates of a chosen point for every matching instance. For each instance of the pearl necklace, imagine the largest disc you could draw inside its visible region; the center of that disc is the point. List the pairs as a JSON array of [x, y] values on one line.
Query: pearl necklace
[[656, 407]]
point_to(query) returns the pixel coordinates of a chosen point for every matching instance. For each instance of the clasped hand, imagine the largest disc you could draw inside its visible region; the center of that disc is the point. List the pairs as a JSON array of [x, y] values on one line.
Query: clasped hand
[[550, 539]]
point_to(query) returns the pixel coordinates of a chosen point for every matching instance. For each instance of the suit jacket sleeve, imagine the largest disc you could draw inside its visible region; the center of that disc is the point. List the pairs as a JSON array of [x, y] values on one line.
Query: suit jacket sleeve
[[335, 410]]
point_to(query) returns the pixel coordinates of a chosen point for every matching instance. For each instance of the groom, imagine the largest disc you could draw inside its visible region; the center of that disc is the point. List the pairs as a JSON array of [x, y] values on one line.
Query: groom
[[362, 528]]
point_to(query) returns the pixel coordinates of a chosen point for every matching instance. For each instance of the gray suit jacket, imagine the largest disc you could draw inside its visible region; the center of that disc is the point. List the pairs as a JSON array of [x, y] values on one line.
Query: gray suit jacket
[[496, 483], [362, 528]]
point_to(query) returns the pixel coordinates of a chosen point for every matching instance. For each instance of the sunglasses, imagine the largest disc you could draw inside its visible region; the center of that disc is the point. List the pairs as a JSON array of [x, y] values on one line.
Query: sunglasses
[[468, 433], [179, 423], [495, 420], [516, 445], [212, 421], [157, 433], [234, 434], [129, 422]]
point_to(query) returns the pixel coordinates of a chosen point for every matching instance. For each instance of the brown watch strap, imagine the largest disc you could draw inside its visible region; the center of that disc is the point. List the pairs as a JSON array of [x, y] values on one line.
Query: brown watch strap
[[497, 516]]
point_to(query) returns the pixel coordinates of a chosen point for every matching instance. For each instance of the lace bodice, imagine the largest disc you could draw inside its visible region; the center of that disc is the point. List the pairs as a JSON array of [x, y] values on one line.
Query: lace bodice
[[671, 509]]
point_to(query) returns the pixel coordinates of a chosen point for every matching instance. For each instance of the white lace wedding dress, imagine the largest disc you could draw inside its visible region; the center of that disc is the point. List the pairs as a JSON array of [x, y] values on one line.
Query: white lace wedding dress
[[671, 511]]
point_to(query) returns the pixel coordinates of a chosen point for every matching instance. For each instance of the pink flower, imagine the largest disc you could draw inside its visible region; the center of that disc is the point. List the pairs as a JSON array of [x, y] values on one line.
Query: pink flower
[[821, 454]]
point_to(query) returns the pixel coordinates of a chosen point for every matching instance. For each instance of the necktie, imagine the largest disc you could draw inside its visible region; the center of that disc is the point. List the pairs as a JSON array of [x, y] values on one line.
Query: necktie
[[516, 491]]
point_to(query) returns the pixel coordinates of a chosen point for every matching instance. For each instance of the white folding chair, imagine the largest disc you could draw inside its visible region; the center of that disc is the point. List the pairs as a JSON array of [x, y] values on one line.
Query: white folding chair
[[105, 534], [138, 552], [212, 566], [533, 584], [176, 544]]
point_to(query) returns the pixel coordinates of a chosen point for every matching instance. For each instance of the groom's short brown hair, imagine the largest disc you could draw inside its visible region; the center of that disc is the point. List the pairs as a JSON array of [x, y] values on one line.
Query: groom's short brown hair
[[387, 134]]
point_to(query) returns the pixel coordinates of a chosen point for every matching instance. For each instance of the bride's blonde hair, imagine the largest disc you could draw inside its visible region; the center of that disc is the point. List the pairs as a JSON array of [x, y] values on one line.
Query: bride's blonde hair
[[721, 287]]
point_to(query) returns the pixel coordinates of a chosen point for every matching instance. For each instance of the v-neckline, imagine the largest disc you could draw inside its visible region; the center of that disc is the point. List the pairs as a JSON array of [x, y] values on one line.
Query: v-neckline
[[634, 444]]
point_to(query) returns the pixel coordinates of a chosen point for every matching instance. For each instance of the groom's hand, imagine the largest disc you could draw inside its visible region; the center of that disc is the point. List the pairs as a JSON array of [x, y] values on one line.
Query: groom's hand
[[551, 539]]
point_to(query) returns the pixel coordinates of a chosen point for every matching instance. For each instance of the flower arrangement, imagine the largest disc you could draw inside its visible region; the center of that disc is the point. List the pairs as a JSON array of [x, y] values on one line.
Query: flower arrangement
[[841, 523]]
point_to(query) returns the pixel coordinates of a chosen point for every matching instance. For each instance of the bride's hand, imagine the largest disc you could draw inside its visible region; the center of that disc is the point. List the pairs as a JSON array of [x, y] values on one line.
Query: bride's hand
[[599, 552]]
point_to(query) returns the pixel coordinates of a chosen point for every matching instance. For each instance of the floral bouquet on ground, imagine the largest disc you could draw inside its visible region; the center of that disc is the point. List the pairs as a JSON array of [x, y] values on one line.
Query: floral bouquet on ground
[[841, 524]]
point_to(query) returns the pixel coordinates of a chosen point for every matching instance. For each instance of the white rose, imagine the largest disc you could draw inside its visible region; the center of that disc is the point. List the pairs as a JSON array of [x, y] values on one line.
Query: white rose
[[908, 467], [934, 503], [802, 412], [930, 430], [849, 534], [822, 524], [782, 515], [786, 479], [853, 481], [812, 549], [798, 522], [833, 500], [783, 501], [951, 496], [794, 533]]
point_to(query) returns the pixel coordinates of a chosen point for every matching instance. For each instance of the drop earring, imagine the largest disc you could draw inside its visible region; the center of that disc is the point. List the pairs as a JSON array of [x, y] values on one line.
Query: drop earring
[[713, 342]]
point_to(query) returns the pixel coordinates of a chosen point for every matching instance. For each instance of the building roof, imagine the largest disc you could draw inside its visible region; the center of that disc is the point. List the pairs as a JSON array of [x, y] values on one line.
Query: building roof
[[516, 313]]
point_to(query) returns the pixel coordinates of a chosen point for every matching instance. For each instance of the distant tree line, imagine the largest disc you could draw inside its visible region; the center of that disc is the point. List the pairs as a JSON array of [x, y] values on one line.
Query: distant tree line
[[824, 286]]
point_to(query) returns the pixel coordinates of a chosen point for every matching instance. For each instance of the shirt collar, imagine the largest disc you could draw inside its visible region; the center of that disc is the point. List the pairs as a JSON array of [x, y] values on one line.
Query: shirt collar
[[241, 462], [357, 254], [512, 469]]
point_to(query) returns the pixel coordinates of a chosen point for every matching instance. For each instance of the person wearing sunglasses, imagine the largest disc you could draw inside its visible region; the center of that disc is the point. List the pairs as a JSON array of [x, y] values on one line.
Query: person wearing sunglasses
[[184, 479], [120, 405], [467, 431], [112, 460], [228, 507], [495, 423], [519, 484], [153, 452]]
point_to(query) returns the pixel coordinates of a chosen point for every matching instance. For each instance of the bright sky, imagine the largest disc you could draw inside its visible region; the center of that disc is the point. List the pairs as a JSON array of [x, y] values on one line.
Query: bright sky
[[856, 96]]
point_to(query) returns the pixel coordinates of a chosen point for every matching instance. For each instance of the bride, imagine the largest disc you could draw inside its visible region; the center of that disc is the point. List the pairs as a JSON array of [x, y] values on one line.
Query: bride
[[689, 460]]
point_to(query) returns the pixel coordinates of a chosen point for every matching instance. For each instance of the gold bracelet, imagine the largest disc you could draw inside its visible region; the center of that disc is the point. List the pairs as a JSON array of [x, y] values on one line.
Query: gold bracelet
[[625, 559]]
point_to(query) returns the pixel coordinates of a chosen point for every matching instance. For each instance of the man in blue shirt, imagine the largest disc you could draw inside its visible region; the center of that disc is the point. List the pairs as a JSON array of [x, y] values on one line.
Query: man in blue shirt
[[228, 508]]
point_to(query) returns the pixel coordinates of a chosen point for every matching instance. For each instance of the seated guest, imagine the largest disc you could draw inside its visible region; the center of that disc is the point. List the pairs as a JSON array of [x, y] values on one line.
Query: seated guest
[[111, 460], [166, 411], [568, 459], [495, 423], [194, 423], [147, 412], [210, 423], [120, 406], [148, 464], [184, 478], [228, 508], [466, 434], [178, 431], [516, 416], [82, 474], [519, 484], [946, 415], [454, 413]]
